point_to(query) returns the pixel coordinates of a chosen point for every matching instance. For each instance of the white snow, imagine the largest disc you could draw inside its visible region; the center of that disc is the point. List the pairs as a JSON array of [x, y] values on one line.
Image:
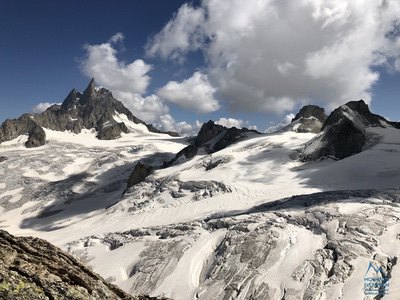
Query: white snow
[[259, 169], [184, 281]]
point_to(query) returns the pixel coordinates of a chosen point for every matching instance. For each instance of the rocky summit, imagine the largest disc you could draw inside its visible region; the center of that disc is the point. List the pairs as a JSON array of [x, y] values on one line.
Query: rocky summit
[[215, 137], [343, 133], [310, 118], [31, 268], [94, 108]]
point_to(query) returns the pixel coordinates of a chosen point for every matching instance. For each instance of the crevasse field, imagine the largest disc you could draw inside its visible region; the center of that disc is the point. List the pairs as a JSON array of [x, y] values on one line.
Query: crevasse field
[[248, 221]]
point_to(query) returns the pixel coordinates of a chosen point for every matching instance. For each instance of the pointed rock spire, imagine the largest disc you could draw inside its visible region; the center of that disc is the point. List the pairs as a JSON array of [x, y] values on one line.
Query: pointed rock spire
[[70, 100], [88, 93]]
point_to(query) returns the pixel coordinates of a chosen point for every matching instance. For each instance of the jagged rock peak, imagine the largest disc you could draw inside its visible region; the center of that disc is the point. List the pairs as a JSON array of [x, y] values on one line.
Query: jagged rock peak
[[207, 132], [94, 108], [89, 93], [215, 137], [360, 114], [310, 118], [70, 100], [309, 111], [343, 133]]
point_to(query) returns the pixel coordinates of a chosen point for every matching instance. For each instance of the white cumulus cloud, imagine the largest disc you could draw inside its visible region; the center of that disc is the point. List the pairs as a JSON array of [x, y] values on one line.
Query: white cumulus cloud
[[195, 93], [41, 107], [277, 126], [269, 56], [180, 34], [101, 62], [232, 122], [127, 81], [168, 123]]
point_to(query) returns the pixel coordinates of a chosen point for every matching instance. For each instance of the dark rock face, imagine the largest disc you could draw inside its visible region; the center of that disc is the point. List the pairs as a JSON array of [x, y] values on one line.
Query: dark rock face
[[207, 132], [187, 152], [37, 137], [358, 111], [217, 137], [94, 108], [139, 173], [309, 111], [11, 129], [343, 133], [230, 137], [212, 137], [310, 118], [112, 132], [151, 128], [31, 268]]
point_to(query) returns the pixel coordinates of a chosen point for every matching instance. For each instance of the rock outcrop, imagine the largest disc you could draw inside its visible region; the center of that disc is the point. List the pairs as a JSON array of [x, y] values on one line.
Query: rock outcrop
[[343, 133], [112, 132], [37, 137], [310, 118], [94, 108], [215, 137], [207, 132], [139, 173], [212, 138], [31, 268]]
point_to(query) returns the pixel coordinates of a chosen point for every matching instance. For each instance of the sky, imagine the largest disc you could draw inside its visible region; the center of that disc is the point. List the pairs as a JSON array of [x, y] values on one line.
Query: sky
[[177, 64]]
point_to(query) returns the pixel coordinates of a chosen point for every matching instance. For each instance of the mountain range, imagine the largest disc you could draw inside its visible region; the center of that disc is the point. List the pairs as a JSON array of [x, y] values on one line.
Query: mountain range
[[228, 214]]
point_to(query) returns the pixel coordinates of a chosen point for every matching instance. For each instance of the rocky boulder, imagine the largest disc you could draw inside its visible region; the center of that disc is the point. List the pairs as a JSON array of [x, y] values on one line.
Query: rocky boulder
[[31, 268], [112, 132], [139, 173], [37, 137], [11, 129]]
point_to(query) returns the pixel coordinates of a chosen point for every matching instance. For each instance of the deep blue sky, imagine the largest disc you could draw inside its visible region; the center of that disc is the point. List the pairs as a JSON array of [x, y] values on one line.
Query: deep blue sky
[[41, 44]]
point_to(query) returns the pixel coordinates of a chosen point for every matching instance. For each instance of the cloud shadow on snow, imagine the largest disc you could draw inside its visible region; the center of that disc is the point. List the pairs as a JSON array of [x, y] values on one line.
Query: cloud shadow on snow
[[104, 192]]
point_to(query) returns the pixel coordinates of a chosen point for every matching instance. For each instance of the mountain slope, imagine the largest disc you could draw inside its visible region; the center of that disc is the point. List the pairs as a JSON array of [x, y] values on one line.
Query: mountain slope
[[250, 221], [31, 268], [344, 132], [93, 109]]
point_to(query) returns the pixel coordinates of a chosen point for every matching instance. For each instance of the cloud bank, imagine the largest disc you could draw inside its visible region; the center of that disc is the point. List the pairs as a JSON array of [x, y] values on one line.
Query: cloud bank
[[195, 93], [270, 55]]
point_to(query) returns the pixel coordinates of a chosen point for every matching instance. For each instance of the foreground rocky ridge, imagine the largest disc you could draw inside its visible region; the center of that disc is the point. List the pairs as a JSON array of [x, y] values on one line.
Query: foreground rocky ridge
[[31, 268], [94, 108]]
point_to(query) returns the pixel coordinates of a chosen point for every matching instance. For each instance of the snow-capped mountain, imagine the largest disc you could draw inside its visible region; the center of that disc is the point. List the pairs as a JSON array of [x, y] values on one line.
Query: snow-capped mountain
[[232, 214], [95, 108]]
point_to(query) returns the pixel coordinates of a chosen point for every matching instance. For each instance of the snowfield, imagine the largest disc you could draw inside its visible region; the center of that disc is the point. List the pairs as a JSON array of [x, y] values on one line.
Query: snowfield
[[248, 222]]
